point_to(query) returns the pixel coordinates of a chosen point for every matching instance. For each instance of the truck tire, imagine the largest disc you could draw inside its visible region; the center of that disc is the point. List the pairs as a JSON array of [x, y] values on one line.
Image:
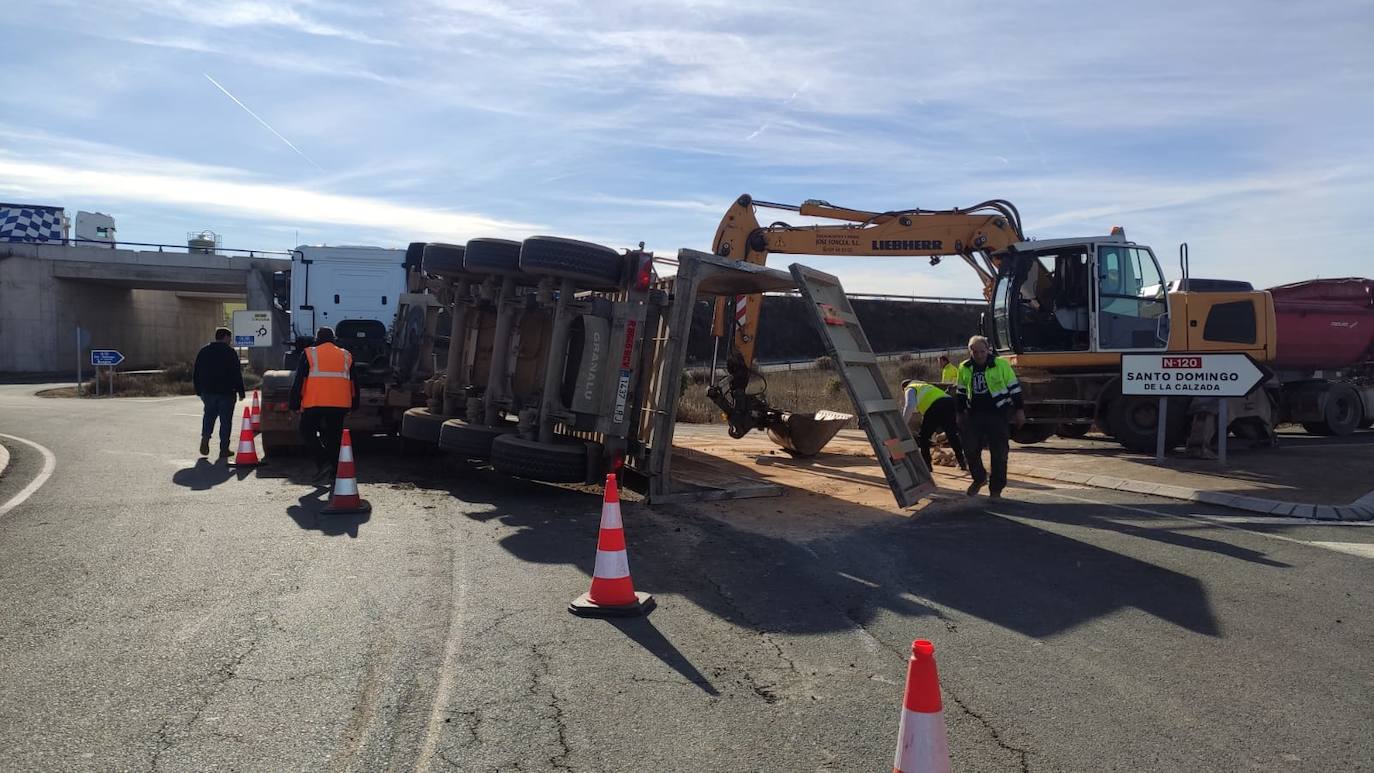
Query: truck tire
[[1030, 434], [591, 266], [1072, 431], [1344, 412], [560, 462], [421, 426], [470, 440], [493, 256], [445, 260], [1135, 420]]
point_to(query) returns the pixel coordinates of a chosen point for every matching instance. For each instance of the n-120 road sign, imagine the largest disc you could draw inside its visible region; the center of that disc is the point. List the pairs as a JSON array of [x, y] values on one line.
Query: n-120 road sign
[[253, 328], [107, 357], [1206, 375]]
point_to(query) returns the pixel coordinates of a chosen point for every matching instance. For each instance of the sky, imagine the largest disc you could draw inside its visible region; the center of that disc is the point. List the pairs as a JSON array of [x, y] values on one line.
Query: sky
[[1242, 128]]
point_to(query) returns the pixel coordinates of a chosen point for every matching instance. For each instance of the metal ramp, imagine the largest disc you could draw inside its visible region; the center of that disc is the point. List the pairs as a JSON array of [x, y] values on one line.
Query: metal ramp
[[879, 414]]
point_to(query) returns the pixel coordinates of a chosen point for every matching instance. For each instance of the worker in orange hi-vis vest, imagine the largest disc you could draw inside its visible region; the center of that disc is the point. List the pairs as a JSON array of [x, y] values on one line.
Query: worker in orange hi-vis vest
[[324, 392]]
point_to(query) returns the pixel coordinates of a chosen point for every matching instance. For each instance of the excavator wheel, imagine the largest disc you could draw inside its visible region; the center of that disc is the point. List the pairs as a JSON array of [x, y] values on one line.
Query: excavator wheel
[[1135, 422], [591, 266]]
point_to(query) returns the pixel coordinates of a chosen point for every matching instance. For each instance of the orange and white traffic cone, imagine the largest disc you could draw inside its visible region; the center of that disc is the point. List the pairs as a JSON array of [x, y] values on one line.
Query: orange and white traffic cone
[[248, 450], [257, 414], [344, 497], [921, 743], [613, 592]]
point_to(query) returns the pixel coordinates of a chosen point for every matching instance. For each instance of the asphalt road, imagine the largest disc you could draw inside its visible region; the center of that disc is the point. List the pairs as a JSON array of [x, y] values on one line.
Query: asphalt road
[[161, 613]]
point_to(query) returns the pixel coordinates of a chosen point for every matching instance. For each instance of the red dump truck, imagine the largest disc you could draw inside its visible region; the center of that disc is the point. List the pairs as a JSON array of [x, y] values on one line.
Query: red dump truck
[[1325, 358]]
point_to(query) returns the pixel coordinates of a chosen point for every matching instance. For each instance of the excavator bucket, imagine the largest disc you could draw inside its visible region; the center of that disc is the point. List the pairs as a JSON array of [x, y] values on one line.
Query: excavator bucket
[[805, 434]]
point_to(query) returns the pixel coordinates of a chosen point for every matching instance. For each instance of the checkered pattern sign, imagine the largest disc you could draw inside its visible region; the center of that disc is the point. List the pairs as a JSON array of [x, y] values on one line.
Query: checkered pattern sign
[[30, 224]]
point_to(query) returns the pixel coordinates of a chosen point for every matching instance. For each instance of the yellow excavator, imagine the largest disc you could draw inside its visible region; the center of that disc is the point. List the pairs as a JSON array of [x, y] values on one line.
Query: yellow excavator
[[1061, 310]]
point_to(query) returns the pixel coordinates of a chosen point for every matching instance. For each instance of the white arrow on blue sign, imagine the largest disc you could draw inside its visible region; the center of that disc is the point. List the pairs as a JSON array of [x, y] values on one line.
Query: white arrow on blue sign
[[108, 357]]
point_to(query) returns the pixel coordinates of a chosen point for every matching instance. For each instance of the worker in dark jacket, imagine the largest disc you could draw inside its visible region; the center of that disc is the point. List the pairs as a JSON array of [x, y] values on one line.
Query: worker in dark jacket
[[324, 391], [987, 391], [218, 378]]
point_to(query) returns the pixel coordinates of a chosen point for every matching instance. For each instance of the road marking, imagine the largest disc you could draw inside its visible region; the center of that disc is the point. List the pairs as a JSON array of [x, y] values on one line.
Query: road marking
[[447, 669], [1337, 547], [49, 464], [1360, 549]]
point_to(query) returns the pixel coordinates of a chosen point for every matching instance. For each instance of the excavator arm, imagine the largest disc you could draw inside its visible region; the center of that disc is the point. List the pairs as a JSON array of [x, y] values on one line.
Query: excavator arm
[[974, 234]]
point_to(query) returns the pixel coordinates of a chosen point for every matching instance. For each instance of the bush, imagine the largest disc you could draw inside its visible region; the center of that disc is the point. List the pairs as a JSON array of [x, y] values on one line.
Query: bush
[[825, 363]]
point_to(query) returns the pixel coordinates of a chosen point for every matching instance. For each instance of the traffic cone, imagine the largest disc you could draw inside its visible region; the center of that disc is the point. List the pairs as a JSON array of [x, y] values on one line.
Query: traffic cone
[[613, 592], [257, 414], [921, 743], [248, 450], [344, 497]]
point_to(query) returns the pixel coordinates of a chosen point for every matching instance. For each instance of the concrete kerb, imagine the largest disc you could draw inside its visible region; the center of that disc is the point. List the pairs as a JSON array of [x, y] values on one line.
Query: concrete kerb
[[4, 459], [1361, 509]]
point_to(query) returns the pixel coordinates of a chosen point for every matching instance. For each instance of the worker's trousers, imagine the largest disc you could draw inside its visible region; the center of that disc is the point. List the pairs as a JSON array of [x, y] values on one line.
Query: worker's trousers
[[940, 417], [987, 429], [322, 431]]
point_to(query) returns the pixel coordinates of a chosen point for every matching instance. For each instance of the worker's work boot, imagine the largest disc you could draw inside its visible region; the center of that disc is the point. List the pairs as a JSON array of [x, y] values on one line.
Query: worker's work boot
[[224, 452], [205, 446], [974, 487]]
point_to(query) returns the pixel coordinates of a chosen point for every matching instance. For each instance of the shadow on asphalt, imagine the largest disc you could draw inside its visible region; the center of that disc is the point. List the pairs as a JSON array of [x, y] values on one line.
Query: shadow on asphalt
[[308, 514], [862, 563], [207, 474], [641, 630]]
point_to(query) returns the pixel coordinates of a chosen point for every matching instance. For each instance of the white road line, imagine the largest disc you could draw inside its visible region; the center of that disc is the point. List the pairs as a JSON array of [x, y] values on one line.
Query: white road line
[[447, 669], [49, 464], [1355, 549]]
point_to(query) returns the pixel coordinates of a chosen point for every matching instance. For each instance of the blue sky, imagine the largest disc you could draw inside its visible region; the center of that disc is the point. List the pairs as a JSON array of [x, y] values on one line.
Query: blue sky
[[1242, 128]]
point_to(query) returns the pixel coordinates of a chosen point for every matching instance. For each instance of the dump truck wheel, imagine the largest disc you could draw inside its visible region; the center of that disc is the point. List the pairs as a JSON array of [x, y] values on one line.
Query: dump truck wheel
[[560, 462], [1135, 421], [444, 260], [493, 256], [1072, 431], [470, 440], [1030, 434], [591, 266], [1344, 413], [420, 425]]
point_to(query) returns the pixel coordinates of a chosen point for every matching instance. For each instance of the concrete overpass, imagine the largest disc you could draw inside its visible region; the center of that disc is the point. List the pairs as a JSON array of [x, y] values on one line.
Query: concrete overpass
[[155, 306]]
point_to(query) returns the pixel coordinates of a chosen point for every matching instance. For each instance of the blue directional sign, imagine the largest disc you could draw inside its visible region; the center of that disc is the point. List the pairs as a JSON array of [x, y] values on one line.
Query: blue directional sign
[[108, 357]]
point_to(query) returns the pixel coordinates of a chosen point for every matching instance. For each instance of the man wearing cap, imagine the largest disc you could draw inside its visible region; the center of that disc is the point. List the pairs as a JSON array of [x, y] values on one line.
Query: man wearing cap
[[323, 391]]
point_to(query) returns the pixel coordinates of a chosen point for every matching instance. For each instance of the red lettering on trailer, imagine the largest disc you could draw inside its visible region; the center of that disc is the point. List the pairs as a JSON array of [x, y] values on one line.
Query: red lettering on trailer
[[1191, 363], [629, 343]]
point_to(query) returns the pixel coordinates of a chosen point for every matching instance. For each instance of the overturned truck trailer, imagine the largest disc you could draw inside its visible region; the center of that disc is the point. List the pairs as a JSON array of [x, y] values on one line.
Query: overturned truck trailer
[[567, 363]]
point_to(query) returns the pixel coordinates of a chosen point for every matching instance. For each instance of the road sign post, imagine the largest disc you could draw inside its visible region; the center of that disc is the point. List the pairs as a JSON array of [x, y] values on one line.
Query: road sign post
[[1221, 375], [253, 329]]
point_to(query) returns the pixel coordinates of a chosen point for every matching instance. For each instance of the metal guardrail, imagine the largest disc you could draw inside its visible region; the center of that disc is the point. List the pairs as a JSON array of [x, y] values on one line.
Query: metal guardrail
[[160, 247]]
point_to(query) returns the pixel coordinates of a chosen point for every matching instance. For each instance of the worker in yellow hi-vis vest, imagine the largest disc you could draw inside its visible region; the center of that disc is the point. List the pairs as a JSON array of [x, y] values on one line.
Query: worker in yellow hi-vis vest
[[938, 414], [949, 372]]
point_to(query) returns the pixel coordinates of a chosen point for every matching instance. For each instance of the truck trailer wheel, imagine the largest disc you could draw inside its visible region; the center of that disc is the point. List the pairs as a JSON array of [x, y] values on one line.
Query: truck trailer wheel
[[1135, 421], [445, 260], [561, 462], [493, 256], [1343, 415], [591, 266], [421, 426], [470, 440]]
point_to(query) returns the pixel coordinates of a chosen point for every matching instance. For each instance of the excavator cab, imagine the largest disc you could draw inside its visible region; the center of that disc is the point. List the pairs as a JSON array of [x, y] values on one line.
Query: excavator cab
[[1071, 295]]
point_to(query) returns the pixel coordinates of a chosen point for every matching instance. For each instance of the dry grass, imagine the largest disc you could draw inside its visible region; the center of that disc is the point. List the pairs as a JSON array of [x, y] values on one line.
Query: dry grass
[[801, 391], [170, 381]]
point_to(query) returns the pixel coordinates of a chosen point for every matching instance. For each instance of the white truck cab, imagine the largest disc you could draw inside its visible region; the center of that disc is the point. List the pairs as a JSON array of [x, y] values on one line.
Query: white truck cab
[[330, 285]]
